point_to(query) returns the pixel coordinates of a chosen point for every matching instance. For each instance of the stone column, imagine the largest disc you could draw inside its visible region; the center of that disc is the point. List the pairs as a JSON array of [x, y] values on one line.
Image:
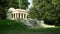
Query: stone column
[[12, 16], [26, 16], [15, 15], [20, 15], [23, 16]]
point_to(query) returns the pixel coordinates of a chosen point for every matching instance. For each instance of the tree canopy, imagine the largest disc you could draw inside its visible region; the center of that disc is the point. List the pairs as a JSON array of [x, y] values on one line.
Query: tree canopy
[[22, 4], [48, 10], [6, 4]]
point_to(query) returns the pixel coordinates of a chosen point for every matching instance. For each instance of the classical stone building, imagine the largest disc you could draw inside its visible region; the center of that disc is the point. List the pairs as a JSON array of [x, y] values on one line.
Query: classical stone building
[[16, 13]]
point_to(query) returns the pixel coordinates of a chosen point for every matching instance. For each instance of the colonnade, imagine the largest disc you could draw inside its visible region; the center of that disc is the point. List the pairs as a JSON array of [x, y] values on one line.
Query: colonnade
[[19, 15]]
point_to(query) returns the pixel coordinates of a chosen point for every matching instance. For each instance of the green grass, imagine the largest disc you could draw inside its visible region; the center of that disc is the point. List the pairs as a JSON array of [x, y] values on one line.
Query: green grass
[[11, 24], [6, 25]]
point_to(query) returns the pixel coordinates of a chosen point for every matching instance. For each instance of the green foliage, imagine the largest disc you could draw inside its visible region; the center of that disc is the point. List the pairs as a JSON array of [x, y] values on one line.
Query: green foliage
[[3, 8], [6, 4], [13, 3], [48, 10], [23, 4]]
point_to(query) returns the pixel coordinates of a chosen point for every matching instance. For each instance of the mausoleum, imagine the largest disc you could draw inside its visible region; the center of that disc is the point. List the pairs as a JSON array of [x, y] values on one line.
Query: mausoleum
[[13, 14]]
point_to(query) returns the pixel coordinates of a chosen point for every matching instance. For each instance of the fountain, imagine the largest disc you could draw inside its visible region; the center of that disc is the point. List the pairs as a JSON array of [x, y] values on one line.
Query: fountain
[[34, 23]]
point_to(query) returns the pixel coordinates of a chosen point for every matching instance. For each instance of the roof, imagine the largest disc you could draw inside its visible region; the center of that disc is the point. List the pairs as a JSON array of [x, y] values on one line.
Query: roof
[[20, 10], [13, 9]]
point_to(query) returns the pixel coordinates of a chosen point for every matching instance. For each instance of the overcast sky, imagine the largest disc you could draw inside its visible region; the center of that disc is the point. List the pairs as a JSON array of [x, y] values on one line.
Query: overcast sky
[[30, 3]]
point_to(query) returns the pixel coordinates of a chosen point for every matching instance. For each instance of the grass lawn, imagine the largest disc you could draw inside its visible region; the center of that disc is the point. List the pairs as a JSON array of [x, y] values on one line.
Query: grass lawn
[[11, 25]]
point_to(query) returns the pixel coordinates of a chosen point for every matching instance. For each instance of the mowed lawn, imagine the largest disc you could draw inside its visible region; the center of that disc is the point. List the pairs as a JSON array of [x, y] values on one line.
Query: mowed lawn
[[11, 25]]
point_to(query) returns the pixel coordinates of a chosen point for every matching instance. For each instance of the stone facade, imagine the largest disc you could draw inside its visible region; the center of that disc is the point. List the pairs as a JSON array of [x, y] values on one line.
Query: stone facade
[[16, 13]]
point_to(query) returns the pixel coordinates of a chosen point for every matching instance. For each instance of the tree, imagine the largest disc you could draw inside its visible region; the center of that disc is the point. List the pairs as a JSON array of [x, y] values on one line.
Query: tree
[[3, 7], [6, 4], [13, 3], [48, 10], [23, 4]]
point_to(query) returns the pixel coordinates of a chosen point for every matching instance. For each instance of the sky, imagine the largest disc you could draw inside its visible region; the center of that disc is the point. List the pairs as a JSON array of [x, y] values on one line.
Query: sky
[[30, 1]]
